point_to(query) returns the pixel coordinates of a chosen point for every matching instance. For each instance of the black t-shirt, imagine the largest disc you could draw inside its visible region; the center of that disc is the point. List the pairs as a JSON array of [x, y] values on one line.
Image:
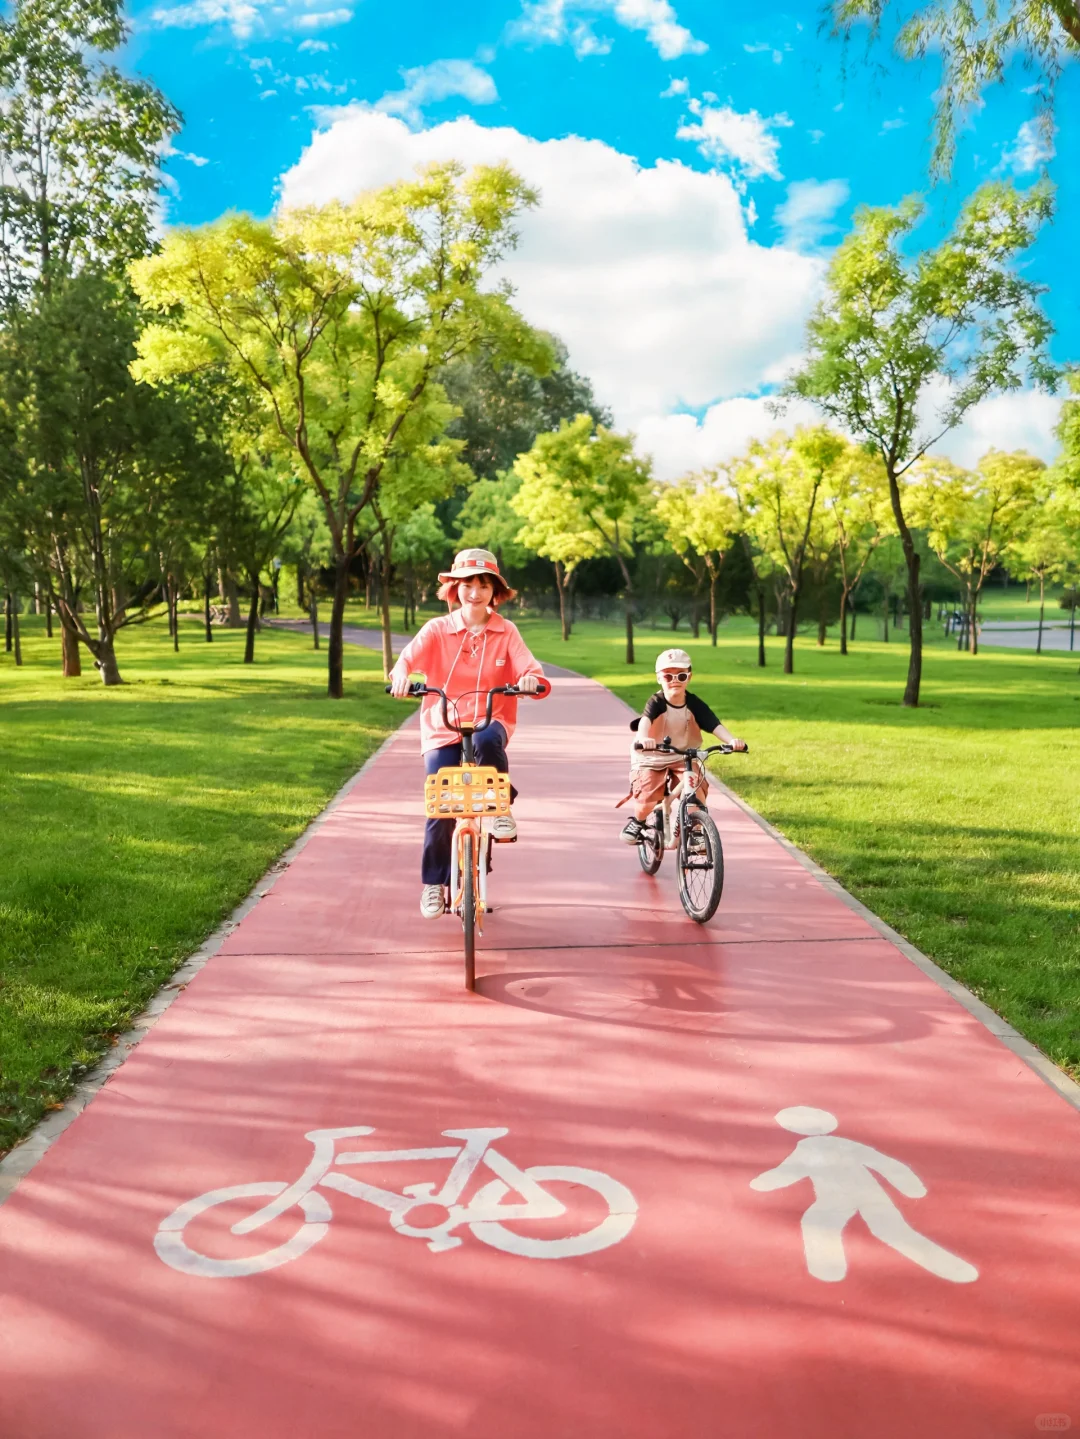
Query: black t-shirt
[[657, 705]]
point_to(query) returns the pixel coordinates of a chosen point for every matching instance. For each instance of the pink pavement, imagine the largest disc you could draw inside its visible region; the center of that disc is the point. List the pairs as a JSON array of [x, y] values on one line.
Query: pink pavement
[[609, 1034]]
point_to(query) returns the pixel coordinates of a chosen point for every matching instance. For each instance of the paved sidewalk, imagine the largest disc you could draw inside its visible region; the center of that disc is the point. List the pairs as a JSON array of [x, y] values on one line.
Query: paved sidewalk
[[632, 1066]]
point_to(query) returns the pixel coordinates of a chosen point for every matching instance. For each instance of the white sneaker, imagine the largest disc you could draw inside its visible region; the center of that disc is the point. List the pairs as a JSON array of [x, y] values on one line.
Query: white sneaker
[[432, 901], [504, 829]]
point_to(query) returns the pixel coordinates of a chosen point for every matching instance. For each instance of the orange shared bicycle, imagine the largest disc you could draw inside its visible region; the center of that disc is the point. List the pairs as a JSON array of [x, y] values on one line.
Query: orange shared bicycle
[[473, 796]]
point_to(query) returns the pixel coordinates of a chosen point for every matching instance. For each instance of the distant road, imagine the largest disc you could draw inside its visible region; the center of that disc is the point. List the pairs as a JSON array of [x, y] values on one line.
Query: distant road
[[1023, 635]]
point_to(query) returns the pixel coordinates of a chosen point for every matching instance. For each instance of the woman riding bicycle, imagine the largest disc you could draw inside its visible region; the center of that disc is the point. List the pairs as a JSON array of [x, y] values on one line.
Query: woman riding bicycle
[[466, 653]]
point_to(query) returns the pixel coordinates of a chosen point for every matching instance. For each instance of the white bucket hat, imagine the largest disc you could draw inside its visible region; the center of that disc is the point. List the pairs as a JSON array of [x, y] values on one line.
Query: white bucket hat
[[472, 562]]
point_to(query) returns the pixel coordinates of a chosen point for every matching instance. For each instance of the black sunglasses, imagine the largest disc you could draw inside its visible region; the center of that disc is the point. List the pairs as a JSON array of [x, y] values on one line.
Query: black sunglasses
[[681, 675]]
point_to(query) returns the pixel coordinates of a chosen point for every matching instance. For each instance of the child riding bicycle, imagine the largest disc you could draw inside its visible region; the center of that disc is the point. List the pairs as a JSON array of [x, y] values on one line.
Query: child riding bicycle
[[466, 653], [675, 715]]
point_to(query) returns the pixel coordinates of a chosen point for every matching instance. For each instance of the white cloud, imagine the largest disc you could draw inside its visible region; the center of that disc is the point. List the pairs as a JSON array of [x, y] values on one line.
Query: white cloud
[[428, 83], [246, 18], [1019, 420], [677, 87], [806, 216], [321, 19], [1032, 148], [559, 22], [647, 273], [680, 443], [743, 141], [312, 45], [891, 125], [170, 152]]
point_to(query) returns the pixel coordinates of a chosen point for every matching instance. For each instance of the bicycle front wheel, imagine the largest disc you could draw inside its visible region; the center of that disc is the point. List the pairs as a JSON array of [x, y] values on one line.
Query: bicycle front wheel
[[468, 908], [701, 864], [650, 848]]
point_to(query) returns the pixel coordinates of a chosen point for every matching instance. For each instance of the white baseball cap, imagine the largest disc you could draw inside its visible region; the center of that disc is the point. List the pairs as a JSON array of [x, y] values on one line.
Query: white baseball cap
[[673, 660]]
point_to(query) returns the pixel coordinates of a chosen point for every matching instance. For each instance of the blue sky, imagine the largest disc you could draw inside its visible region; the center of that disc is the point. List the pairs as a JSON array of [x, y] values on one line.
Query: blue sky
[[680, 251]]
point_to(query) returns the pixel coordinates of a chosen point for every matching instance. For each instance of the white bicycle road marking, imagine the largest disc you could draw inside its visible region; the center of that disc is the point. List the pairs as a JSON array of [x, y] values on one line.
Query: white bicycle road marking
[[486, 1215], [844, 1186]]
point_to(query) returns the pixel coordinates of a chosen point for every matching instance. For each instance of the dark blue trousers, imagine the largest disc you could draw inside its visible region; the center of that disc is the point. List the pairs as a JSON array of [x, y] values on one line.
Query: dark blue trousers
[[489, 748]]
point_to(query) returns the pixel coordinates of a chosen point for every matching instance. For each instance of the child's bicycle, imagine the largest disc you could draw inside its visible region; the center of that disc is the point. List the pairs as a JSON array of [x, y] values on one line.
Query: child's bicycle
[[473, 796], [692, 833]]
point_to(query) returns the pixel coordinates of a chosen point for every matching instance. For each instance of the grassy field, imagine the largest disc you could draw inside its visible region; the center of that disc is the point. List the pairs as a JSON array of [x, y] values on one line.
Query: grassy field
[[135, 819], [958, 823]]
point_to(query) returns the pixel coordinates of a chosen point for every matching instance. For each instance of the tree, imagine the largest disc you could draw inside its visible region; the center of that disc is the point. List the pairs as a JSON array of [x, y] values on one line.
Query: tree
[[592, 475], [505, 406], [420, 548], [339, 318], [1046, 544], [892, 331], [970, 518], [306, 544], [552, 524], [700, 520], [976, 44], [781, 480], [108, 463], [488, 520], [80, 146], [856, 505]]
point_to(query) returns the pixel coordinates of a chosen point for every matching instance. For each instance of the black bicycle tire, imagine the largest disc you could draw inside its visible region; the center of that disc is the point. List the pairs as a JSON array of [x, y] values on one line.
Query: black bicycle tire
[[468, 909], [692, 816], [650, 856]]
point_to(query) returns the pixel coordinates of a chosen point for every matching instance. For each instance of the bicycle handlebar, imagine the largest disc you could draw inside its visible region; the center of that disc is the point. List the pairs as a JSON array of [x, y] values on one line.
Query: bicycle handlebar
[[668, 748], [418, 689]]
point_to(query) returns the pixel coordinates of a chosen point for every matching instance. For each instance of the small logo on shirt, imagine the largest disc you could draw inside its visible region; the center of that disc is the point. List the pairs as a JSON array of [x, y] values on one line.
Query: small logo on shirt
[[500, 662]]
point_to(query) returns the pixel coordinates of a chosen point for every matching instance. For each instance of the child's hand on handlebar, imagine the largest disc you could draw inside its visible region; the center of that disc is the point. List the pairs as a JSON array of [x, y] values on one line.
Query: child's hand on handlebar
[[737, 744], [645, 744]]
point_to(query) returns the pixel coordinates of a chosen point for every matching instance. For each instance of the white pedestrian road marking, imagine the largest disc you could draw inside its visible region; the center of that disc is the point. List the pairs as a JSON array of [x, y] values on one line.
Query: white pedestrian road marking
[[486, 1215], [844, 1186]]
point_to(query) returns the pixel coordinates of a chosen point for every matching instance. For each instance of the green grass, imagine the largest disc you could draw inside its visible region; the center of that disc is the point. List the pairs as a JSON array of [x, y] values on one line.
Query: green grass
[[136, 818], [958, 823]]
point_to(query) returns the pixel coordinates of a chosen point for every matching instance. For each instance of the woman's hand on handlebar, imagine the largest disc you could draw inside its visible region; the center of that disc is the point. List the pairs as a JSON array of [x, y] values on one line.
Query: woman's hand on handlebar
[[399, 684], [529, 684]]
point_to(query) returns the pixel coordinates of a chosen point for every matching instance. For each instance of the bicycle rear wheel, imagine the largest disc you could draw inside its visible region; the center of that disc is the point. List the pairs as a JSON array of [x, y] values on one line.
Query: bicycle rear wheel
[[701, 863], [468, 909], [651, 844]]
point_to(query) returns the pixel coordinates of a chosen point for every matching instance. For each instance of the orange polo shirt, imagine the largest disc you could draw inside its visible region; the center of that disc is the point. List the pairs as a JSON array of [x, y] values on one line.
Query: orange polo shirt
[[447, 655]]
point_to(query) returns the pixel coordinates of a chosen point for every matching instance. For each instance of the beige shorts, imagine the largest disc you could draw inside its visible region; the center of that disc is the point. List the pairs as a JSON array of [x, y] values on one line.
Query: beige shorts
[[648, 786]]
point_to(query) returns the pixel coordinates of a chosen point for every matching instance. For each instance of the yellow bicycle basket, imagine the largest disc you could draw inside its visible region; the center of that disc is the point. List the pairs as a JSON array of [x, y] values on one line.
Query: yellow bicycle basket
[[475, 790]]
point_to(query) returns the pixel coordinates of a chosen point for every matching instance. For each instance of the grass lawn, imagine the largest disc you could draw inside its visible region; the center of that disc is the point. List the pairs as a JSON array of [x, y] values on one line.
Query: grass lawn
[[136, 818], [958, 823]]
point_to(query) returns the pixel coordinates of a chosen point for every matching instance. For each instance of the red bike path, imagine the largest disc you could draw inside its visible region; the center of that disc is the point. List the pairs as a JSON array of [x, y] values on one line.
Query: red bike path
[[609, 1033]]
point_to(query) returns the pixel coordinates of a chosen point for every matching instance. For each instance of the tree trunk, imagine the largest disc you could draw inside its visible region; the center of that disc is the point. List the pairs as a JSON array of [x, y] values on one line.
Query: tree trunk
[[206, 611], [335, 647], [384, 586], [843, 622], [8, 608], [252, 623], [1042, 612], [560, 589], [822, 620], [761, 626], [174, 610], [885, 620], [15, 631], [792, 620], [106, 661], [48, 617], [973, 635], [854, 614], [712, 606], [313, 611], [71, 658], [232, 599], [628, 604]]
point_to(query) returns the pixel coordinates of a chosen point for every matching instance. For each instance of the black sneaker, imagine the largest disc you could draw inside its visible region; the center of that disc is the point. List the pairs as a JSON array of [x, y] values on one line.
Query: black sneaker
[[632, 831]]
